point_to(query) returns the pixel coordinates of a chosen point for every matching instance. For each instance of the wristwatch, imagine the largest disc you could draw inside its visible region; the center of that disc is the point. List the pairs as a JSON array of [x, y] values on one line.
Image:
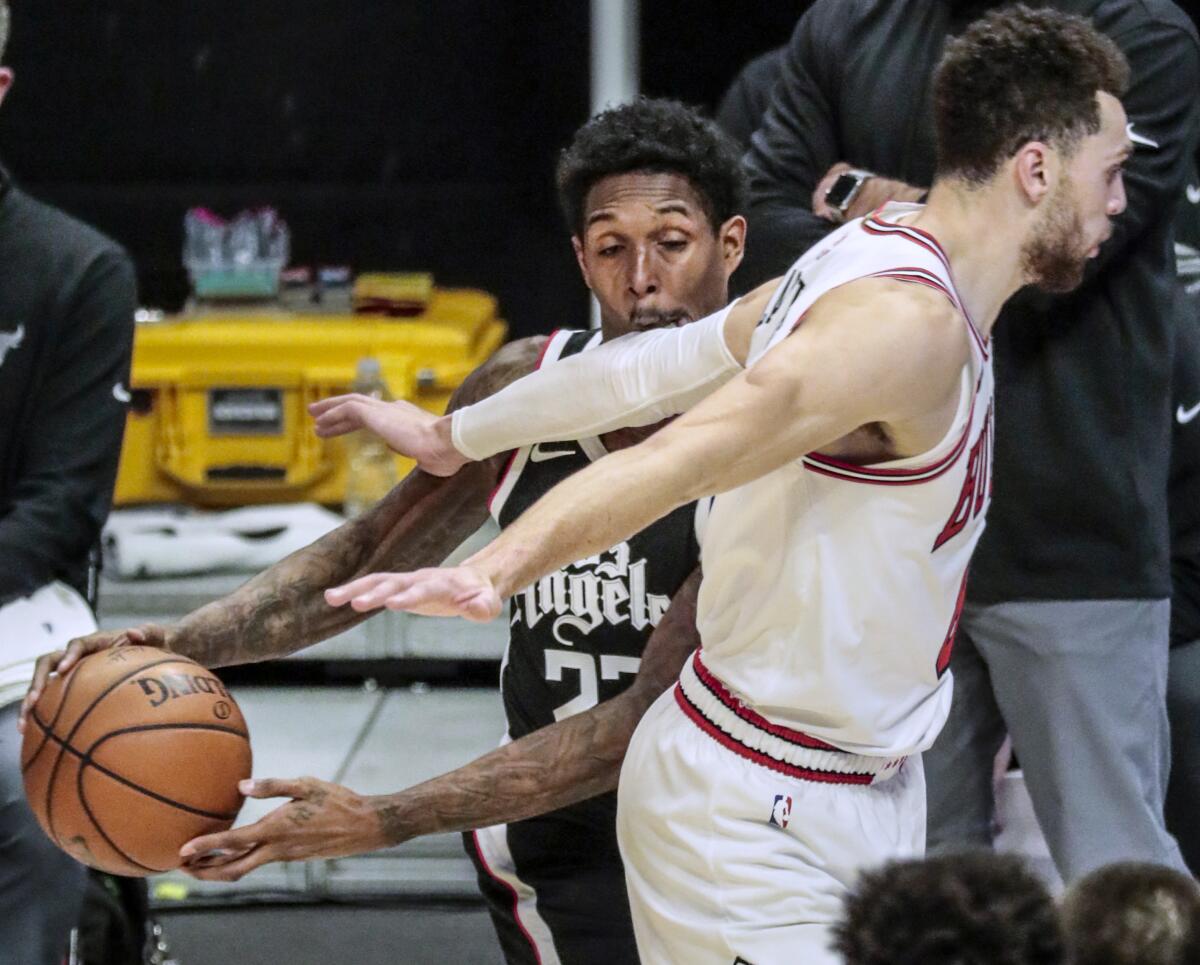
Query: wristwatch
[[845, 189]]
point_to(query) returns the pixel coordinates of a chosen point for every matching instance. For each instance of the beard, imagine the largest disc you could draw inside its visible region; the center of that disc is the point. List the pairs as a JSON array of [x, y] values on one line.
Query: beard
[[1051, 259]]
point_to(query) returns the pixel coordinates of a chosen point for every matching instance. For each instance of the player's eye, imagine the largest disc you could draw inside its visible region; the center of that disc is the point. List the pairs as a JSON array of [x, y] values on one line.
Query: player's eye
[[674, 244], [608, 251]]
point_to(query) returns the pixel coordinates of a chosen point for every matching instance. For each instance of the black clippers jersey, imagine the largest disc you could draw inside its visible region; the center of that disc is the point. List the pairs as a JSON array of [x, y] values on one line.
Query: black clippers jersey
[[576, 636]]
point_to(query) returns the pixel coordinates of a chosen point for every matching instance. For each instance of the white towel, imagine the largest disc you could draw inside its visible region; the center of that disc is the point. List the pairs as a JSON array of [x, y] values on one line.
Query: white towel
[[36, 624], [183, 542]]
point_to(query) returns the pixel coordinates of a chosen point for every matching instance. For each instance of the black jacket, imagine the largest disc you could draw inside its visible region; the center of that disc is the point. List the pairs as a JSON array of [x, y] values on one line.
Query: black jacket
[[67, 298], [1082, 395]]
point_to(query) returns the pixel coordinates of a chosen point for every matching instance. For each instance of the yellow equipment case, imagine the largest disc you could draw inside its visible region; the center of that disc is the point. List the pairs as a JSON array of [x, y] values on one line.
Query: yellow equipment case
[[218, 415]]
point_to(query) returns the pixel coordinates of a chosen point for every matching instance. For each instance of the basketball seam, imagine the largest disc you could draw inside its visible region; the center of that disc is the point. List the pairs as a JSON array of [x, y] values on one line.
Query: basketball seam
[[87, 808], [66, 741], [86, 760], [62, 703]]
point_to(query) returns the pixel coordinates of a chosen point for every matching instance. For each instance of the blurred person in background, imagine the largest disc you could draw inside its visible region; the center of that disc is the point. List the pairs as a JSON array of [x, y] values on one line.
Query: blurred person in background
[[1133, 914], [974, 908], [1183, 675], [67, 300]]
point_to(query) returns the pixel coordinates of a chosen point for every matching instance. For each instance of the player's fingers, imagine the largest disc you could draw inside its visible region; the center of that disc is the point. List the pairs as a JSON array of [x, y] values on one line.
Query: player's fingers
[[41, 673], [379, 594], [230, 842], [324, 405], [430, 593], [482, 608], [276, 787], [80, 647], [341, 595], [233, 870]]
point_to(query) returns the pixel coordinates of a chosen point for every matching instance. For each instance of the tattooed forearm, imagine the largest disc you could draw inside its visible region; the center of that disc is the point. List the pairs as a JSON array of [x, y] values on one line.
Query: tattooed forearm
[[283, 609], [558, 765], [568, 761], [419, 523]]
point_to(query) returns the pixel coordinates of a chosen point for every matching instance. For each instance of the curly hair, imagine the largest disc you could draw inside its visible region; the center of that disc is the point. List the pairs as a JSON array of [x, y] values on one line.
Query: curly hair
[[975, 908], [1133, 914], [652, 135], [1019, 75]]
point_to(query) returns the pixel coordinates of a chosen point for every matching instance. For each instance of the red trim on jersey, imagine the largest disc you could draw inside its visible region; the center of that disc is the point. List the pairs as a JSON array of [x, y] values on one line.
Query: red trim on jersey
[[513, 455], [922, 279], [838, 469], [947, 648], [718, 690], [545, 348], [516, 899], [757, 757], [927, 241]]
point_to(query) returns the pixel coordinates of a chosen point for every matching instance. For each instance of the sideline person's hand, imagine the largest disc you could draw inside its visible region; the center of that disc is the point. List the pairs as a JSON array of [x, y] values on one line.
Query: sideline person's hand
[[322, 820], [875, 191], [61, 661], [453, 591], [407, 429]]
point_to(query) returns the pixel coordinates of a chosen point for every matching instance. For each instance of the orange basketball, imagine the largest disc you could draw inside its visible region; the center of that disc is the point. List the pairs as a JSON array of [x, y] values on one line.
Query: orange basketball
[[131, 754]]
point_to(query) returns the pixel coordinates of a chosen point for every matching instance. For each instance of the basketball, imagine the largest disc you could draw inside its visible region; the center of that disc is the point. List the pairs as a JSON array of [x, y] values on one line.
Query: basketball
[[132, 753]]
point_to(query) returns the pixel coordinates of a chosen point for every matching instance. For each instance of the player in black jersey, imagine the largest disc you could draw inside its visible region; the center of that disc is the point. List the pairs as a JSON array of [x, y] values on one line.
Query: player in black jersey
[[651, 192]]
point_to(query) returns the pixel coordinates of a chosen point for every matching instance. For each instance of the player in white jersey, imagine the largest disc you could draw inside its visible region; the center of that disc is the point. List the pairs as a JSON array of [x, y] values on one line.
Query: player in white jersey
[[850, 459]]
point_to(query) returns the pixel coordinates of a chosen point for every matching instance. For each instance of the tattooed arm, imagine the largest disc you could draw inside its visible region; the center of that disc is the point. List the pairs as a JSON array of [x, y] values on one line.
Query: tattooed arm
[[566, 762], [282, 610]]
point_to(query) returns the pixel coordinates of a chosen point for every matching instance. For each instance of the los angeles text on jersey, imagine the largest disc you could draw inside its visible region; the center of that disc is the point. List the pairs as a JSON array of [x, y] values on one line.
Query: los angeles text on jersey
[[608, 589]]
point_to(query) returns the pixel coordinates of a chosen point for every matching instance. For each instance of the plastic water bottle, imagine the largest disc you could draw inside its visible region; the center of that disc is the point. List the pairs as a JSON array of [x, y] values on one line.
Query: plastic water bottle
[[371, 470]]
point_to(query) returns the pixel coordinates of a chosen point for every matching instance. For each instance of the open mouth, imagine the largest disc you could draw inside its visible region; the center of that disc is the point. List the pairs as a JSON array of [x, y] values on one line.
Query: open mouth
[[659, 320]]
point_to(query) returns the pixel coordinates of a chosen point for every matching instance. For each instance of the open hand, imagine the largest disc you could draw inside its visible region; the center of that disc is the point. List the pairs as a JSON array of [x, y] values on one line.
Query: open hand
[[321, 820], [61, 661], [456, 591], [407, 429]]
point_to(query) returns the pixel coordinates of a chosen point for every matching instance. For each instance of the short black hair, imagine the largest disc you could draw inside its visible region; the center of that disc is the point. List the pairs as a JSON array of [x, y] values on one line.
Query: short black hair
[[1132, 913], [974, 908], [657, 136], [1019, 75]]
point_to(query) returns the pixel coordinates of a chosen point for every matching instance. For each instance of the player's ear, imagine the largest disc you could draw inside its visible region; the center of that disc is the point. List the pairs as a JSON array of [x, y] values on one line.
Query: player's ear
[[1034, 168], [577, 245], [6, 79], [732, 236]]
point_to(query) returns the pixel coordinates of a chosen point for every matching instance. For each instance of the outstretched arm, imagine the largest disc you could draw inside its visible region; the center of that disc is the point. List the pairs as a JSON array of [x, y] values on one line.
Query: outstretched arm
[[872, 351], [553, 767], [636, 380], [282, 610]]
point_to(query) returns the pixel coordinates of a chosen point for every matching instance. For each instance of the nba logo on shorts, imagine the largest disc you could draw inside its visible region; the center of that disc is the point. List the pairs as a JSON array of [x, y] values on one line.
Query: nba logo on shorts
[[781, 810]]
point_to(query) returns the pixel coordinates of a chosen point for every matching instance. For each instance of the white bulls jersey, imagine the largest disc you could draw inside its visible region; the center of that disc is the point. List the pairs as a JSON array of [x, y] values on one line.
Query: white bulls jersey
[[831, 591]]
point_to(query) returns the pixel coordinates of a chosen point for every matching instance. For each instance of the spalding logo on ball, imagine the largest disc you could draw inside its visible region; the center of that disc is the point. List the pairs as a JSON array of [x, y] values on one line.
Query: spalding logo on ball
[[131, 754]]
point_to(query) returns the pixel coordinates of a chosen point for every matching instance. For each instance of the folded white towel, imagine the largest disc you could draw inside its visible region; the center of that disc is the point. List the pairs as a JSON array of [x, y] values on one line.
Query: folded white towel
[[183, 542]]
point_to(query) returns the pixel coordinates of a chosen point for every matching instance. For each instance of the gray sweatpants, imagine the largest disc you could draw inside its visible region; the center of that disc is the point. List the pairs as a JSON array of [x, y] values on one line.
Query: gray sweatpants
[[1183, 791], [1081, 687], [41, 887]]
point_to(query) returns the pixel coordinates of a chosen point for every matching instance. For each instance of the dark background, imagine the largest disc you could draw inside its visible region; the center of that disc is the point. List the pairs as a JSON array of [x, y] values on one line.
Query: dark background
[[395, 135]]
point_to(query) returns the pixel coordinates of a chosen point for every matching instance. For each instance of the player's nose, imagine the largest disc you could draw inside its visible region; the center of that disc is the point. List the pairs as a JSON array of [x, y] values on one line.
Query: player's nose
[[643, 279], [1117, 199]]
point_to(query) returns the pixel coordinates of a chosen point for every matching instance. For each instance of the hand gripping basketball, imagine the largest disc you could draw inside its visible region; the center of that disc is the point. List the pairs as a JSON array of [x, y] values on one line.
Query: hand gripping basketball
[[129, 754], [61, 661], [322, 820]]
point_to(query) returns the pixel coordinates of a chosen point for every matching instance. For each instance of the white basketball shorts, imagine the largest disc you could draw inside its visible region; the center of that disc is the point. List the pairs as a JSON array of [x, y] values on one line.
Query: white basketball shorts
[[728, 860]]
